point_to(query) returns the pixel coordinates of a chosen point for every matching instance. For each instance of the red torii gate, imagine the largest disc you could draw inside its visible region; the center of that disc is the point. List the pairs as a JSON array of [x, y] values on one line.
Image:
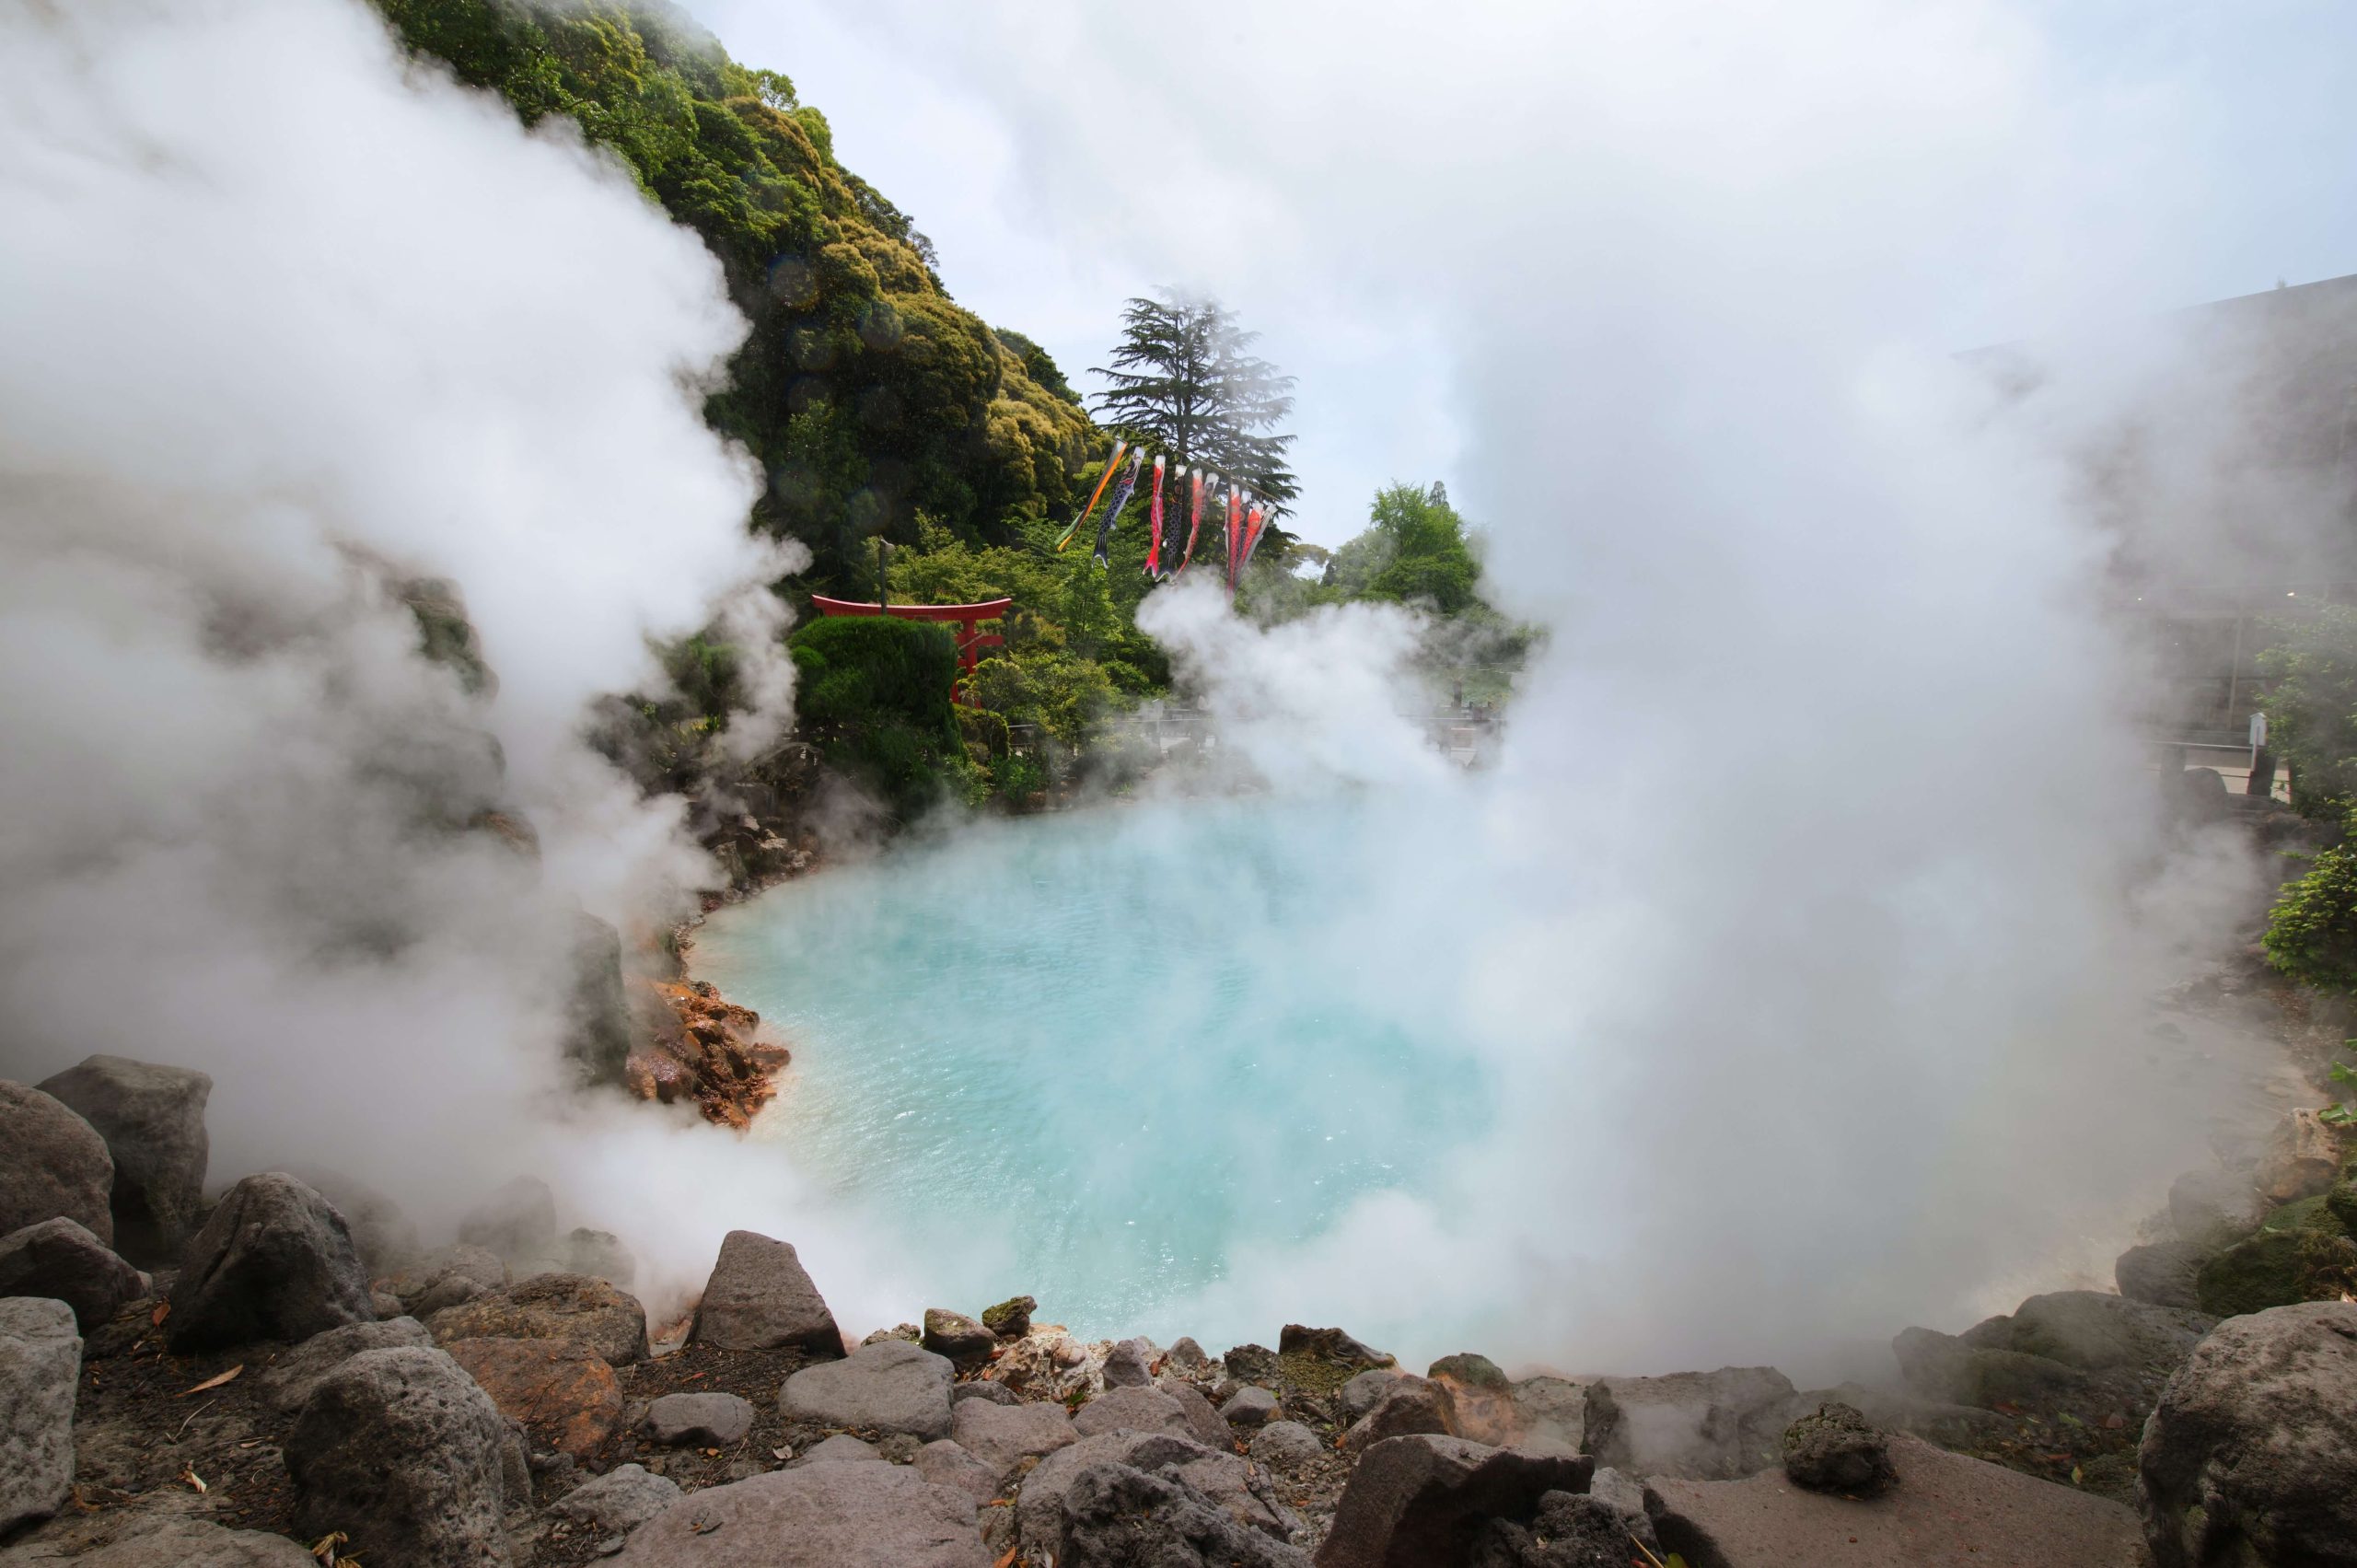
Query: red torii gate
[[970, 641]]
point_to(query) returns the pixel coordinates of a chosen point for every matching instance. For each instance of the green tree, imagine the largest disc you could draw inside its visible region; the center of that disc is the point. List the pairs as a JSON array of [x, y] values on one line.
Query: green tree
[[2312, 709], [1415, 549], [1185, 381]]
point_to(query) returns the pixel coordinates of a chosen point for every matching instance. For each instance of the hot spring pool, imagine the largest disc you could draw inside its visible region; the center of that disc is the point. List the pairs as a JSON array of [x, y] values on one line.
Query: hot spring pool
[[1090, 1056]]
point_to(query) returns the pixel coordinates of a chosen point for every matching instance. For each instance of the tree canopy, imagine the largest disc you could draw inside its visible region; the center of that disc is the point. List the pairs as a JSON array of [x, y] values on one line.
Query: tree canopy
[[1185, 381]]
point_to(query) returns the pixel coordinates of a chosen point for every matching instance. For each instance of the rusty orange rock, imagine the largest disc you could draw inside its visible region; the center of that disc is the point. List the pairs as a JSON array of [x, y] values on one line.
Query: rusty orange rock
[[698, 1046], [566, 1397]]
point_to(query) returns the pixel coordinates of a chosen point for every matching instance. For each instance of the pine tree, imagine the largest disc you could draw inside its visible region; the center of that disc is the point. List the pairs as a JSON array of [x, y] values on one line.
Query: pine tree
[[1186, 382]]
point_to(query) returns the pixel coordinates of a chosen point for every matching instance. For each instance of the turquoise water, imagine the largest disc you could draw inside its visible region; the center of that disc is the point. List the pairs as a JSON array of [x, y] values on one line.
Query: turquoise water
[[1089, 1056]]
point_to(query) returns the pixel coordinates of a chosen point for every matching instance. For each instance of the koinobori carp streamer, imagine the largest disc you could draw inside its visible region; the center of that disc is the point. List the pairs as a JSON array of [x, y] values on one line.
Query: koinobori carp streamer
[[1120, 499], [1072, 532]]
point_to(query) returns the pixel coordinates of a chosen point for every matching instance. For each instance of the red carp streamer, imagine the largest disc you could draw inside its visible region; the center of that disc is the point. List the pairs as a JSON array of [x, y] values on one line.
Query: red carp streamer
[[1194, 519], [1154, 524]]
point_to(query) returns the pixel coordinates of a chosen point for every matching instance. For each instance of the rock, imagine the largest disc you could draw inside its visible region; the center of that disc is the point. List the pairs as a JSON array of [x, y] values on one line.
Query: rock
[[599, 1254], [384, 1303], [617, 1502], [2251, 1454], [153, 1120], [1469, 1370], [1002, 1436], [957, 1336], [1634, 1501], [559, 1390], [1837, 1449], [1117, 1517], [1286, 1446], [2301, 1254], [2340, 1199], [288, 1381], [909, 1332], [1702, 1425], [2161, 1273], [60, 1259], [1011, 1318], [274, 1261], [518, 1221], [1410, 1405], [1225, 1480], [945, 1463], [382, 1234], [1896, 1409], [1418, 1502], [1138, 1409], [1203, 1423], [759, 1298], [574, 1307], [41, 1362], [598, 1036], [1942, 1366], [1329, 1345], [52, 1165], [2215, 1208], [1569, 1530], [1477, 1401], [702, 1420], [892, 1387], [1131, 1366], [1250, 1406], [2094, 1331], [447, 1278], [842, 1448], [1358, 1396], [400, 1450], [814, 1517], [190, 1543], [984, 1389], [1251, 1364], [2301, 1159], [1946, 1511], [1554, 1410], [1187, 1356]]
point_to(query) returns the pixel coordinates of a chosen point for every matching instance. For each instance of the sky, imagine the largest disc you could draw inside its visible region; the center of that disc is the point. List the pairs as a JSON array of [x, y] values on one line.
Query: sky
[[1056, 157]]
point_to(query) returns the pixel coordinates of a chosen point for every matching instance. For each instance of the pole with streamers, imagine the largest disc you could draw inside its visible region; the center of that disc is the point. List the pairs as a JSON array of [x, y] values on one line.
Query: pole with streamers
[[1102, 479], [1120, 499]]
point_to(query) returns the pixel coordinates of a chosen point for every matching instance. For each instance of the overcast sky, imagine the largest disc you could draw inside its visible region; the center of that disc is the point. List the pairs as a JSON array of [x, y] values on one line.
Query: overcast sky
[[1322, 166]]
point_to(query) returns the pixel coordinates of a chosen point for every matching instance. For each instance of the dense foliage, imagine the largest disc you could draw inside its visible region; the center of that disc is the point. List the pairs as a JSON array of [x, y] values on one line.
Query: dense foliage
[[2312, 710], [873, 695]]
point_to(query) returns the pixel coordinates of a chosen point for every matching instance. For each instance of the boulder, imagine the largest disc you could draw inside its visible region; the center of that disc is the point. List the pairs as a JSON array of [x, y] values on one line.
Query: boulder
[[599, 1253], [1251, 1364], [2251, 1454], [1946, 1511], [2094, 1331], [2161, 1273], [518, 1221], [1636, 1501], [2301, 1254], [382, 1233], [1330, 1345], [1130, 1364], [1203, 1422], [814, 1517], [1702, 1425], [842, 1448], [52, 1164], [190, 1543], [1137, 1409], [1187, 1356], [558, 1391], [759, 1298], [274, 1261], [1837, 1449], [153, 1120], [1468, 1370], [1421, 1502], [1002, 1436], [400, 1450], [617, 1502], [1554, 1410], [579, 1308], [1011, 1318], [1286, 1446], [984, 1389], [700, 1420], [1248, 1407], [957, 1336], [1359, 1394], [41, 1362], [2300, 1160], [1944, 1367], [890, 1387], [60, 1259], [945, 1463], [2215, 1208], [1238, 1488], [447, 1278], [1410, 1405], [1569, 1530], [287, 1383], [1117, 1517], [1477, 1401]]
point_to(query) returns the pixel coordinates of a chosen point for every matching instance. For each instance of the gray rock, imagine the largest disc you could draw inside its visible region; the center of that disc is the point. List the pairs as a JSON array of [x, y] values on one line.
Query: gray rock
[[1240, 1490], [1705, 1426], [1011, 1318], [908, 1331], [1130, 1366], [814, 1517], [2215, 1208], [1251, 1364], [945, 1463], [1634, 1501], [516, 1222], [186, 1543], [1417, 1500], [1556, 1410], [842, 1448], [984, 1388], [1406, 1406], [1002, 1436], [383, 1234], [957, 1336], [1117, 1517], [1250, 1406], [1185, 1355], [598, 1253], [598, 1010], [60, 1259], [2094, 1331], [890, 1387], [2251, 1454], [759, 1298], [387, 1305], [40, 1361], [52, 1163], [1837, 1449], [288, 1382], [617, 1502], [446, 1278], [1473, 1370], [1569, 1530], [1133, 1410], [1942, 1366], [2161, 1273], [400, 1450], [1286, 1446], [1359, 1395], [704, 1421], [274, 1261], [1203, 1422], [1328, 1345], [153, 1120], [577, 1308]]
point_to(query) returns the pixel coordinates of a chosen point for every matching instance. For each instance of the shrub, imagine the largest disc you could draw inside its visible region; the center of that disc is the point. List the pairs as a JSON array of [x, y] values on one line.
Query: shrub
[[2312, 930], [874, 694]]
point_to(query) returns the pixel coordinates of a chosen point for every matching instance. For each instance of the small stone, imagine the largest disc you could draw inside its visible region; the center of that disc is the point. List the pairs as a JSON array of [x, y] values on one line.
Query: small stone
[[1359, 1395], [841, 1448], [1251, 1364], [704, 1421], [957, 1336], [1130, 1366], [1473, 1371], [1011, 1318], [907, 1333], [892, 1387], [1329, 1345], [1286, 1446], [563, 1393], [1408, 1407], [617, 1502], [1187, 1356], [1837, 1449], [447, 1278]]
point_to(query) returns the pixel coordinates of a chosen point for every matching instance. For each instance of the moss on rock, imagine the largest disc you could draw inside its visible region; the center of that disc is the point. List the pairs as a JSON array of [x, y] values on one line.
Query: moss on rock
[[2302, 1251]]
